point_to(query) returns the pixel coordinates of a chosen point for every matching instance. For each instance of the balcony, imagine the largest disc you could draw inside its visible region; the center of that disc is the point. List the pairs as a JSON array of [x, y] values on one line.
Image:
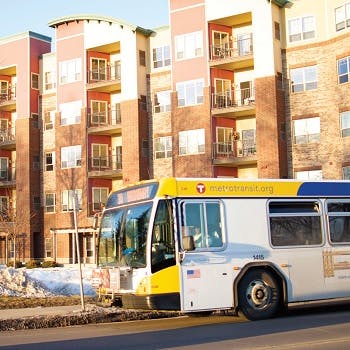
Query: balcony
[[105, 167], [239, 152], [104, 80], [8, 177], [235, 54], [236, 102], [105, 122], [8, 99], [7, 139]]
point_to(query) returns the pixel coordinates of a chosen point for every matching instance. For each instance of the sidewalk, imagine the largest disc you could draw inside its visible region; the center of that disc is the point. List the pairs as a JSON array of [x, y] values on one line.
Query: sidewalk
[[39, 311]]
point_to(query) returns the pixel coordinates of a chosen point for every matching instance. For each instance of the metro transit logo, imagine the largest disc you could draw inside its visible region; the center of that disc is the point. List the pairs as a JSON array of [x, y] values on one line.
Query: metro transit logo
[[200, 188]]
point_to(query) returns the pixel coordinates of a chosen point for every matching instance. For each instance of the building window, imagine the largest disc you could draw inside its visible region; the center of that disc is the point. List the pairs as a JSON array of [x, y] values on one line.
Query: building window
[[142, 58], [161, 56], [98, 69], [277, 31], [303, 79], [191, 142], [143, 102], [306, 130], [345, 123], [35, 81], [50, 202], [342, 17], [163, 147], [36, 202], [162, 101], [308, 175], [49, 161], [48, 247], [70, 157], [346, 173], [49, 120], [301, 28], [70, 112], [70, 71], [89, 250], [36, 163], [343, 70], [190, 92], [99, 198], [50, 80], [189, 45], [99, 155], [4, 206], [68, 200]]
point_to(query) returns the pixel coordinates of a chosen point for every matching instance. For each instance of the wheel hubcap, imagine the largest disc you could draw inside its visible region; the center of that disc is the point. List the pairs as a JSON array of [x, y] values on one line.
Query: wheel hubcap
[[258, 294]]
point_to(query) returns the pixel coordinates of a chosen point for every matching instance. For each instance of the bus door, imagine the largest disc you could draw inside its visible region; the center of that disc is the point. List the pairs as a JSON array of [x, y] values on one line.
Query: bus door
[[336, 257], [205, 274]]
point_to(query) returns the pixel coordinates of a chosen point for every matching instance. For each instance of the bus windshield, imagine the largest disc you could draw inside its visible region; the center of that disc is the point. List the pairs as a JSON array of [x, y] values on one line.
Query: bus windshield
[[123, 236]]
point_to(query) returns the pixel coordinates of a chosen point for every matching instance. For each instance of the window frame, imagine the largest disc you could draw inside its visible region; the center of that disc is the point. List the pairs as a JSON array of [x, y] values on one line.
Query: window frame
[[301, 210], [307, 136], [189, 45], [67, 196], [203, 223], [70, 71], [190, 92], [165, 142], [305, 84], [70, 154], [50, 203], [187, 142]]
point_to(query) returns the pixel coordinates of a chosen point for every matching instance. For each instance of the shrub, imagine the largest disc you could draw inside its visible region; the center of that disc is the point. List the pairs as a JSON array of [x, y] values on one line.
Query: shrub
[[31, 264], [17, 264], [49, 263]]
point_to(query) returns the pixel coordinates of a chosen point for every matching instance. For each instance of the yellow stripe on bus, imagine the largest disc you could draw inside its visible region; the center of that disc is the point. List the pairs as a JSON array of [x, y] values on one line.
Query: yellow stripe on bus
[[203, 187], [164, 281]]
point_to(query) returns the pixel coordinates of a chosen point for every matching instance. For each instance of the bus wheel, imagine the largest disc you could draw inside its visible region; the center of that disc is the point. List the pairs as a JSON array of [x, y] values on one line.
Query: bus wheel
[[258, 295]]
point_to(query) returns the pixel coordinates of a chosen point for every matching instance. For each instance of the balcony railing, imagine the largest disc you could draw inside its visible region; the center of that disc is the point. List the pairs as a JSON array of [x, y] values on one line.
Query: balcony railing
[[105, 164], [111, 117], [7, 135], [8, 94], [232, 49], [234, 149], [234, 98], [108, 73]]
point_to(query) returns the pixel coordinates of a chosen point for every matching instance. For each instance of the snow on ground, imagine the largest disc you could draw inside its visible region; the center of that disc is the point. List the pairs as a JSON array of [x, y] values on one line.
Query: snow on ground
[[42, 282]]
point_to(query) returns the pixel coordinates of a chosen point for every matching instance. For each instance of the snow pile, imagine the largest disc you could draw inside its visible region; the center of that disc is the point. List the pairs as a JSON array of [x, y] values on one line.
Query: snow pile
[[43, 282]]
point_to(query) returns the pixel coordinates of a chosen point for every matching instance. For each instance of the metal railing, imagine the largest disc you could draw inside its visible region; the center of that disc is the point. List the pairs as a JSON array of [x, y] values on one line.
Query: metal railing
[[233, 98], [105, 164], [232, 49], [7, 135], [234, 149], [8, 94], [108, 73], [109, 117]]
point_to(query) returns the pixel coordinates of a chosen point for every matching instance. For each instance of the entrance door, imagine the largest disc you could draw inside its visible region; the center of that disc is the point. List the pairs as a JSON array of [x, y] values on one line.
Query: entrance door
[[205, 272]]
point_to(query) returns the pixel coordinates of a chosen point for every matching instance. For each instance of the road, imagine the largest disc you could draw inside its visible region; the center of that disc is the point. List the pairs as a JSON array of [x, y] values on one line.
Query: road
[[307, 330]]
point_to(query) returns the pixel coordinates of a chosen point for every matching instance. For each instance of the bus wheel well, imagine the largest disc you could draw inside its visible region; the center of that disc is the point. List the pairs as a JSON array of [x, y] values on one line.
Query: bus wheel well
[[260, 291]]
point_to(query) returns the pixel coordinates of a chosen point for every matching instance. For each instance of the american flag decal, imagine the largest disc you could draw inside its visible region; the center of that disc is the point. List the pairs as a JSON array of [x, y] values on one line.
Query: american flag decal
[[196, 273]]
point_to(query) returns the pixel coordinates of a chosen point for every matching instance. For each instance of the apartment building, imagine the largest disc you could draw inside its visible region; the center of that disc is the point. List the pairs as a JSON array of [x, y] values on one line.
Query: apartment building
[[229, 89]]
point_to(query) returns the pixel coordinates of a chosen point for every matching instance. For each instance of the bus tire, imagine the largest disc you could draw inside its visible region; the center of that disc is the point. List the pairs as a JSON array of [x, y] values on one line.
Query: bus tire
[[259, 295]]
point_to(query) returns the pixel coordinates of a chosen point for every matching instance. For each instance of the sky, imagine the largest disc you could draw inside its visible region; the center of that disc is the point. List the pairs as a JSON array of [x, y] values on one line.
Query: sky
[[19, 16]]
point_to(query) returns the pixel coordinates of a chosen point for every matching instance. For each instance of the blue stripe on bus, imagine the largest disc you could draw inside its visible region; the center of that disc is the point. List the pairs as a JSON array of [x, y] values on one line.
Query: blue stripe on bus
[[324, 189]]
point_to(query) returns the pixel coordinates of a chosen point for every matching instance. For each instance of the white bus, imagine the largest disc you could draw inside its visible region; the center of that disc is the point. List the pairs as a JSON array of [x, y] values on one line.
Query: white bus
[[200, 245]]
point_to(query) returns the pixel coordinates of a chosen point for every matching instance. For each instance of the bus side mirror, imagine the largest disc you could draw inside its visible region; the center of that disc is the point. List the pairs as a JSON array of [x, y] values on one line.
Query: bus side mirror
[[188, 243]]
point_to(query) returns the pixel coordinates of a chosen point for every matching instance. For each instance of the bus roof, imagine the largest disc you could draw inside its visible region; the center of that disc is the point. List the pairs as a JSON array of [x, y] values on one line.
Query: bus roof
[[220, 187]]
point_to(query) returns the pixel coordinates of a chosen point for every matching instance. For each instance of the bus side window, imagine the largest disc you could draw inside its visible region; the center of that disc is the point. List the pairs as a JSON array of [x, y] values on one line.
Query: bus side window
[[339, 221], [295, 223]]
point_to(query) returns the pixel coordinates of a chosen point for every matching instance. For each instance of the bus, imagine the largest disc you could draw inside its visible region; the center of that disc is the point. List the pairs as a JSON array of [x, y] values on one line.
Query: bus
[[199, 245]]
